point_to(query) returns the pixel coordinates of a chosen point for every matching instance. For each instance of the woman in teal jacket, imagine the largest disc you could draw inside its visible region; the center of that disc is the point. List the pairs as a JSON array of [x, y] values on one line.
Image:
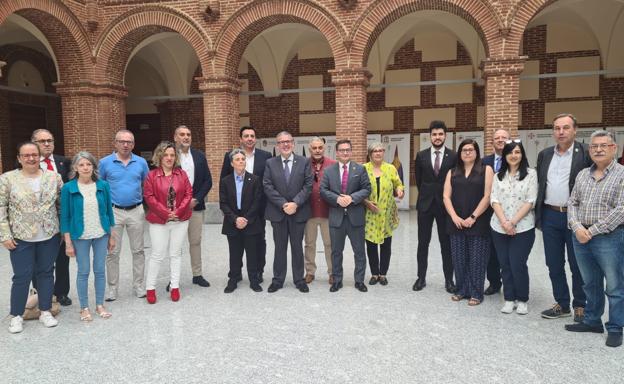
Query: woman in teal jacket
[[86, 222]]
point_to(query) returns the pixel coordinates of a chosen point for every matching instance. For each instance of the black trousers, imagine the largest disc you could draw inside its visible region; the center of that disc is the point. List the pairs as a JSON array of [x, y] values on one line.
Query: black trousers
[[425, 225], [61, 272], [379, 256], [239, 244]]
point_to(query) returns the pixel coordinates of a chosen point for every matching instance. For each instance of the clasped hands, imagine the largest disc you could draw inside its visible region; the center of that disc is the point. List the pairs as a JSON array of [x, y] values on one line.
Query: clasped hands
[[289, 208], [583, 235], [344, 200], [463, 223]]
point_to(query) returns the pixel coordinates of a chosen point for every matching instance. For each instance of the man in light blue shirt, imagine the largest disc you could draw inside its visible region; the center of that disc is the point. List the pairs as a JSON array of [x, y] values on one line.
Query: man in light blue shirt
[[125, 173]]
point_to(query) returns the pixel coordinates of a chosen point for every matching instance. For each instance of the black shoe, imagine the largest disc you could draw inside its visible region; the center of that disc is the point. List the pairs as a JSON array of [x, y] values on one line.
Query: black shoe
[[582, 327], [64, 300], [450, 286], [419, 284], [199, 280], [274, 288], [614, 339], [168, 287], [256, 287], [303, 287], [491, 290], [361, 287], [373, 280], [231, 286], [383, 280], [335, 287], [556, 312]]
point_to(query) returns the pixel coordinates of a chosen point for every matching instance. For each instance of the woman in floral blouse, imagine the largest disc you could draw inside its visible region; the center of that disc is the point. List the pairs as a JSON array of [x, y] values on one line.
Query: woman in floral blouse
[[29, 229], [514, 192], [381, 213]]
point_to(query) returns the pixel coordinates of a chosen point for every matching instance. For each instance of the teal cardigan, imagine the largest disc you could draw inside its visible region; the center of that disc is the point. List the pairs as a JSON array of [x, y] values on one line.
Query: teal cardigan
[[72, 208]]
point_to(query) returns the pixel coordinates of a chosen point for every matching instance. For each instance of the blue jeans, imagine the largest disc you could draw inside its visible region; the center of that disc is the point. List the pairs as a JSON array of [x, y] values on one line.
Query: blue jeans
[[83, 252], [37, 257], [513, 253], [558, 238], [600, 259]]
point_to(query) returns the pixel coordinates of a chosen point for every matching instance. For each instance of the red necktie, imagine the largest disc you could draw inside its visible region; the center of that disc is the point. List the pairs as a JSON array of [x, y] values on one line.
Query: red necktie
[[345, 177], [49, 164]]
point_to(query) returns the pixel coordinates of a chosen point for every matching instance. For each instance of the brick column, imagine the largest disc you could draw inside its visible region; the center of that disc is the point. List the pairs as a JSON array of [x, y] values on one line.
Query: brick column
[[221, 122], [351, 84], [91, 114], [502, 92]]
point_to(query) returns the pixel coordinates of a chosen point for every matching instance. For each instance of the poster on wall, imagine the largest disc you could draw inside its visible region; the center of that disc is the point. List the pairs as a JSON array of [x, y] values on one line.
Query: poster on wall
[[534, 141], [398, 154], [474, 135]]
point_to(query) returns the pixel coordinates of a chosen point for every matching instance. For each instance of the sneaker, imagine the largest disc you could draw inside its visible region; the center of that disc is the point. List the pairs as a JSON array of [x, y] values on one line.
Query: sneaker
[[555, 312], [523, 308], [508, 307], [579, 314], [16, 325], [47, 319]]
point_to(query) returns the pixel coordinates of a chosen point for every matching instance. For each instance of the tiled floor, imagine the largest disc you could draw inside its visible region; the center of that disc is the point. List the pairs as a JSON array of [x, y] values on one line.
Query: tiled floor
[[388, 335]]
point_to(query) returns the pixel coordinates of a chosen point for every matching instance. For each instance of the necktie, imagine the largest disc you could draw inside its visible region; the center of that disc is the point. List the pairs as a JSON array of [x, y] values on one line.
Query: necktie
[[286, 170], [497, 164], [345, 177], [49, 163], [436, 163]]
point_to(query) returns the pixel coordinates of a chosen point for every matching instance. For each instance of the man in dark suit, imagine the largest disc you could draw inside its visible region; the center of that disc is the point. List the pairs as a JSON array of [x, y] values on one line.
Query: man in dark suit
[[194, 163], [287, 185], [431, 166], [239, 199], [557, 167], [344, 187], [255, 161], [45, 141], [499, 138]]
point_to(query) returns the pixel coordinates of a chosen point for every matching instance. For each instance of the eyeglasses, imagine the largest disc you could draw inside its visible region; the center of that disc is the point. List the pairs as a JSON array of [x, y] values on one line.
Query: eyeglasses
[[468, 150], [124, 142], [30, 156], [517, 141], [601, 146], [45, 141], [343, 150], [378, 151], [284, 142]]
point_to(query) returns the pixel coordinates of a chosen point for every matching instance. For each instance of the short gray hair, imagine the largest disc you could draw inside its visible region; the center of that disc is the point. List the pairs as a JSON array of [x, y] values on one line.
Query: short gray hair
[[317, 138], [373, 146], [90, 158], [603, 133], [235, 152], [38, 131]]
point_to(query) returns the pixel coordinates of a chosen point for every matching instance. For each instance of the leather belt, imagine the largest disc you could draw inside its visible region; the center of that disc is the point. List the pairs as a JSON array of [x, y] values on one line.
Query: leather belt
[[126, 208], [556, 208]]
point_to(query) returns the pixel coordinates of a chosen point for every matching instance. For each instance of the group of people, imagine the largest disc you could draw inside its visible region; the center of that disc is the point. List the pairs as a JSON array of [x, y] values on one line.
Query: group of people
[[486, 210]]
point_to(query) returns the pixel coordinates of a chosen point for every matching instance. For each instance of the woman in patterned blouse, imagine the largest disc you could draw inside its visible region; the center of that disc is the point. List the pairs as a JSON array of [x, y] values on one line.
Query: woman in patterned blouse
[[86, 223], [513, 225]]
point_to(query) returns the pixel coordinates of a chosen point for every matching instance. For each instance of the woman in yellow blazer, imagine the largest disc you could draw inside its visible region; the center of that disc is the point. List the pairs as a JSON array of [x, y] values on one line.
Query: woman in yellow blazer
[[381, 213]]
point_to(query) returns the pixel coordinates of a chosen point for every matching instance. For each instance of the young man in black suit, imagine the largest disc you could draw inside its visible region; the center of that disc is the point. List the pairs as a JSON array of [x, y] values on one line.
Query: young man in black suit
[[255, 162], [431, 166], [59, 164]]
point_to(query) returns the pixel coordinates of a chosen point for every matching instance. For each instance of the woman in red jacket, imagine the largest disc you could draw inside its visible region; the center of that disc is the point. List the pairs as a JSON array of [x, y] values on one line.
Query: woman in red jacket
[[168, 194]]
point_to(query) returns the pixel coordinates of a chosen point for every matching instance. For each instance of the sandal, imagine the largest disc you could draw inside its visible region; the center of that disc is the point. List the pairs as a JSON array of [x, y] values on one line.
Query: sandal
[[472, 302], [85, 315], [458, 297], [102, 312]]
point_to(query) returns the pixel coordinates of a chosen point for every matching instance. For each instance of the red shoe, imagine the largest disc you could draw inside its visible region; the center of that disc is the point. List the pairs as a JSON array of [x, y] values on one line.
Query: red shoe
[[175, 294], [150, 294]]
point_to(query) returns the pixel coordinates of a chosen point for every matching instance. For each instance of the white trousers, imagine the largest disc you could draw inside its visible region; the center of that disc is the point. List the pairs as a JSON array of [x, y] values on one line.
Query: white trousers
[[172, 234]]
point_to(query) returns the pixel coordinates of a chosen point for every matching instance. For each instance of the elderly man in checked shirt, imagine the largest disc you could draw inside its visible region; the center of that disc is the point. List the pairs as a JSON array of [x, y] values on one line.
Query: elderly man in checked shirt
[[596, 217]]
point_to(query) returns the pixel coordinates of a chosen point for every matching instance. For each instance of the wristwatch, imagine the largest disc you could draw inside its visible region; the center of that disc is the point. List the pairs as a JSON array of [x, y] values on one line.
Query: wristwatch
[[473, 217]]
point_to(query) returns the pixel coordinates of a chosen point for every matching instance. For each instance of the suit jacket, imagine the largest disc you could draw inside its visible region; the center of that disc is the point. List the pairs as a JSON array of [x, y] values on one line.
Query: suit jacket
[[430, 186], [489, 160], [250, 205], [358, 186], [580, 160], [63, 165], [202, 182], [260, 158], [297, 190]]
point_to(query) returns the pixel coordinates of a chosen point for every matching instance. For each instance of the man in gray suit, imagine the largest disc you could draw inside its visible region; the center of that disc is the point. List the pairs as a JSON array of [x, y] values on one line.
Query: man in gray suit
[[287, 185], [344, 186]]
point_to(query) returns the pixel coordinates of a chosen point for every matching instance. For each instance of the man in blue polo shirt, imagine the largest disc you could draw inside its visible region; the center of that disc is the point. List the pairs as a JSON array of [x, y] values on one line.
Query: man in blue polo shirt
[[125, 173]]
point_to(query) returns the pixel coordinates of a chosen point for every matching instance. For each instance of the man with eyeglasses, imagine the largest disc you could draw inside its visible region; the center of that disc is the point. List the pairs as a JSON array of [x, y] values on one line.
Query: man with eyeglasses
[[125, 172], [59, 164], [596, 217], [499, 139], [287, 185], [557, 168], [320, 212]]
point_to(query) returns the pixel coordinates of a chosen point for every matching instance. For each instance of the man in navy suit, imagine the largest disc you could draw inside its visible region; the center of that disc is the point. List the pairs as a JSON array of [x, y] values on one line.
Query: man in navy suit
[[194, 163], [255, 163], [59, 164], [500, 137], [344, 187], [287, 185], [431, 166]]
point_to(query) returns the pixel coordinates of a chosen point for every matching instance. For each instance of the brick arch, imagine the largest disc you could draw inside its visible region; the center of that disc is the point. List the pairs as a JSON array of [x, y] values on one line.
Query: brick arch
[[123, 34], [381, 13], [520, 16], [61, 27], [252, 19], [13, 53]]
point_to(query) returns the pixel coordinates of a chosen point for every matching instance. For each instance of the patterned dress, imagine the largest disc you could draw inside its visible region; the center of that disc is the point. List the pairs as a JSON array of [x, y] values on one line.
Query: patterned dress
[[380, 225]]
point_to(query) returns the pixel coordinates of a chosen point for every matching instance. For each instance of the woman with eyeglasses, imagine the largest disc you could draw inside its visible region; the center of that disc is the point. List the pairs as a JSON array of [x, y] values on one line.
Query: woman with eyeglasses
[[466, 198], [168, 194], [514, 192], [381, 213], [29, 229]]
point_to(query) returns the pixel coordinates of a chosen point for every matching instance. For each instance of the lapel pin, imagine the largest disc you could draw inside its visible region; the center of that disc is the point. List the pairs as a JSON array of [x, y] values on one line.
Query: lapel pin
[[575, 149]]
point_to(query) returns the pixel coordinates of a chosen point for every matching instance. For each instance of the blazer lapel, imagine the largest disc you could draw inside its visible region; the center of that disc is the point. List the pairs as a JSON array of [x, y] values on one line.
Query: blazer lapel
[[245, 193]]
